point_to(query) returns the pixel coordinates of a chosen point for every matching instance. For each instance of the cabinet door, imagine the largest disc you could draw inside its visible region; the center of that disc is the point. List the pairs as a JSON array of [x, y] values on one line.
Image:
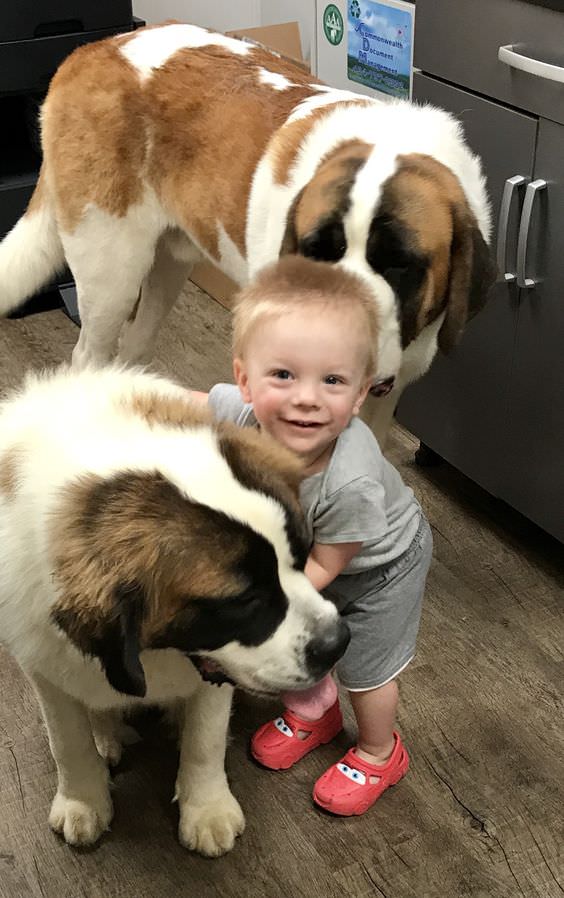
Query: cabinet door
[[534, 474], [459, 41], [460, 407]]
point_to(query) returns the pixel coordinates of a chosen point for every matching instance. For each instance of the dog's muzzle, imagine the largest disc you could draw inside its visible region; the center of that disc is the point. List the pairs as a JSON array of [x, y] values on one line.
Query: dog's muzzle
[[210, 671], [323, 652]]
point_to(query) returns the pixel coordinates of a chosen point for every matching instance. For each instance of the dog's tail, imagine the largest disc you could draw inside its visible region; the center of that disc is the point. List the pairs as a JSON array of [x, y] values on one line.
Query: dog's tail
[[31, 253]]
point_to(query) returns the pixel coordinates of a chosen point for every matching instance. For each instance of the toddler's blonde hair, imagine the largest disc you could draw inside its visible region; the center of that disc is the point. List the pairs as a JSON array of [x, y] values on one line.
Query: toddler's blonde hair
[[295, 282]]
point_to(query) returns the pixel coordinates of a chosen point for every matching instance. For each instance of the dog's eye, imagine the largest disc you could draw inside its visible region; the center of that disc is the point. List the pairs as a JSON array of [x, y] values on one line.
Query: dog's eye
[[327, 244], [394, 277], [250, 598]]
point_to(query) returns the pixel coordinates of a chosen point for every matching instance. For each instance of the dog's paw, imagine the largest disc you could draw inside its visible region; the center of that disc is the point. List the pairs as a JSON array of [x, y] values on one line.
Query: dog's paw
[[80, 823], [111, 733], [110, 745], [211, 829]]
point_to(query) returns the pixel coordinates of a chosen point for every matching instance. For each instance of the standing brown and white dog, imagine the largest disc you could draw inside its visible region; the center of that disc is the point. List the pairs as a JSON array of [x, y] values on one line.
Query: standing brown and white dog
[[174, 143], [144, 549]]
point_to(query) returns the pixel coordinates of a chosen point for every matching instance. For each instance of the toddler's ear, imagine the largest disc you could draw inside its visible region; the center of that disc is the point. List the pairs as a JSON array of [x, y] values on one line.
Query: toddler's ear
[[363, 393], [242, 379]]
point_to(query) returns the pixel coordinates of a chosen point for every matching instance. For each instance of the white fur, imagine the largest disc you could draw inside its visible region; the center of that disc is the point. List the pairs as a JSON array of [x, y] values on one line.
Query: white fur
[[125, 250], [231, 260], [24, 273], [65, 426], [149, 50], [323, 96], [278, 82]]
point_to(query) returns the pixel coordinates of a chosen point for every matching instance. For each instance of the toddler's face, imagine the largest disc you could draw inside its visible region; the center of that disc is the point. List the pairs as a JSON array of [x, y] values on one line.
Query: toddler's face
[[305, 375]]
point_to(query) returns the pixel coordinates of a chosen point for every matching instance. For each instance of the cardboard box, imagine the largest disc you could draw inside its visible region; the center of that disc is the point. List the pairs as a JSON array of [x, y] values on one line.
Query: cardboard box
[[285, 39]]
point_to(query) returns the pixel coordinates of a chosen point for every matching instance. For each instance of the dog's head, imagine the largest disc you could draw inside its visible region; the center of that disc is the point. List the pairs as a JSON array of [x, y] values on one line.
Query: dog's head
[[212, 568], [411, 234]]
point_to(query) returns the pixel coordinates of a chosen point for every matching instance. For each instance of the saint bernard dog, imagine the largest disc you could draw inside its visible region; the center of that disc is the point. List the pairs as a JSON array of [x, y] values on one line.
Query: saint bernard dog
[[173, 143], [145, 549]]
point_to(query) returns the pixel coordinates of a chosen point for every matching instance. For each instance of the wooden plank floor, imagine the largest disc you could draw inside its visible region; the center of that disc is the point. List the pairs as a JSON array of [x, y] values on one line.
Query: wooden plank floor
[[480, 813]]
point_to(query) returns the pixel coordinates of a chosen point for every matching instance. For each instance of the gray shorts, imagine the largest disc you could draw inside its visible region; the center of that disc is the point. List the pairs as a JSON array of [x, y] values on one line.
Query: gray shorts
[[382, 607]]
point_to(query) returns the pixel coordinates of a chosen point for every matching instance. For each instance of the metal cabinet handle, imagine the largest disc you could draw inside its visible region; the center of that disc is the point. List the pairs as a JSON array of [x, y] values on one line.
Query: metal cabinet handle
[[532, 191], [511, 187], [509, 56]]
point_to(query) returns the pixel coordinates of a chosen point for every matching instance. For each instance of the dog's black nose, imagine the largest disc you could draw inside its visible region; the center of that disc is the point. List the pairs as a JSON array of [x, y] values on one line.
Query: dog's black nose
[[323, 652]]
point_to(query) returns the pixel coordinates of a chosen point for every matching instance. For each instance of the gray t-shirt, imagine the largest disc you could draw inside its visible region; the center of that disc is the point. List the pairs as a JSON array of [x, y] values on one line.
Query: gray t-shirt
[[358, 497]]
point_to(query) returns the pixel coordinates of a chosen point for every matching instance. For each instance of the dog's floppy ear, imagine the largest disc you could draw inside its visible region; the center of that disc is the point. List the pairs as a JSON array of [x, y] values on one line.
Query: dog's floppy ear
[[113, 637], [314, 227], [472, 273], [289, 243], [119, 647], [260, 463], [432, 228]]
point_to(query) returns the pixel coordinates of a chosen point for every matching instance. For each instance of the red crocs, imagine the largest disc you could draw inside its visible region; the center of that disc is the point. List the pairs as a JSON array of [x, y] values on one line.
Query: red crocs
[[276, 744], [352, 785]]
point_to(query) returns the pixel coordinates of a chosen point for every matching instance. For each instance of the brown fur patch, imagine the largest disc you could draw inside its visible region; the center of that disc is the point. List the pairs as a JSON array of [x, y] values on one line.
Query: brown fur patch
[[212, 121], [94, 133], [252, 455], [427, 192], [428, 202], [287, 144], [329, 189], [10, 462], [421, 196], [136, 528], [195, 131], [422, 193], [263, 454], [168, 411]]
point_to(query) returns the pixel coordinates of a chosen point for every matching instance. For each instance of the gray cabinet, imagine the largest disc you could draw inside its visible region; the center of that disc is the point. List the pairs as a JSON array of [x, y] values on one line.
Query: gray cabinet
[[495, 408], [533, 472]]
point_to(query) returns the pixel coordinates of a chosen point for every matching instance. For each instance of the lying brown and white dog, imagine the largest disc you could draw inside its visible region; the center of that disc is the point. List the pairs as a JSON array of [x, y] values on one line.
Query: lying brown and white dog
[[174, 143], [141, 543]]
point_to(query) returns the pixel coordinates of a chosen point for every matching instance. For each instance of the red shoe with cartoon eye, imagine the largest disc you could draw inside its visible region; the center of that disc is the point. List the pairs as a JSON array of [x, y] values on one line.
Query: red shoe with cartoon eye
[[352, 785], [278, 746]]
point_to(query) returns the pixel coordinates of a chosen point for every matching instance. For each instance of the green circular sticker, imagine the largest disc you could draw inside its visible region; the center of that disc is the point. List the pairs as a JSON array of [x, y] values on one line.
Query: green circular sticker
[[333, 24]]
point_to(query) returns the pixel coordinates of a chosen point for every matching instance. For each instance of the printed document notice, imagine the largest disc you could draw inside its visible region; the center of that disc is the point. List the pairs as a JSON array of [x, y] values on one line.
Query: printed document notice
[[380, 45]]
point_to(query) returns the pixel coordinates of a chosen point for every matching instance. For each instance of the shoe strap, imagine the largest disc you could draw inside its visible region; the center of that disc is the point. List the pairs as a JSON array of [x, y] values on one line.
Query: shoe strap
[[351, 759], [310, 726]]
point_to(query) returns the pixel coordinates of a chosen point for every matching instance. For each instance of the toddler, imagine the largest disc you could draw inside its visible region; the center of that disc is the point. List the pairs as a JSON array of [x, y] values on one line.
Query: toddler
[[305, 338]]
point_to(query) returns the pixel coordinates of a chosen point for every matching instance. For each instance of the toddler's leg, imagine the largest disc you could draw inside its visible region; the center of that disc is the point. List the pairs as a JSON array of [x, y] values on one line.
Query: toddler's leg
[[310, 718], [379, 759], [383, 617], [375, 711]]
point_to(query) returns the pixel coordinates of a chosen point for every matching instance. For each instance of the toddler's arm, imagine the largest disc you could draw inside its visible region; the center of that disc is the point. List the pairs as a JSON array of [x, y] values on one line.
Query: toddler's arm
[[326, 561], [199, 397]]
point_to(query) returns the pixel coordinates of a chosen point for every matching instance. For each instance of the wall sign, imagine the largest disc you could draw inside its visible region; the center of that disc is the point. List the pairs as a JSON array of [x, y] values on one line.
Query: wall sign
[[380, 45], [333, 26]]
